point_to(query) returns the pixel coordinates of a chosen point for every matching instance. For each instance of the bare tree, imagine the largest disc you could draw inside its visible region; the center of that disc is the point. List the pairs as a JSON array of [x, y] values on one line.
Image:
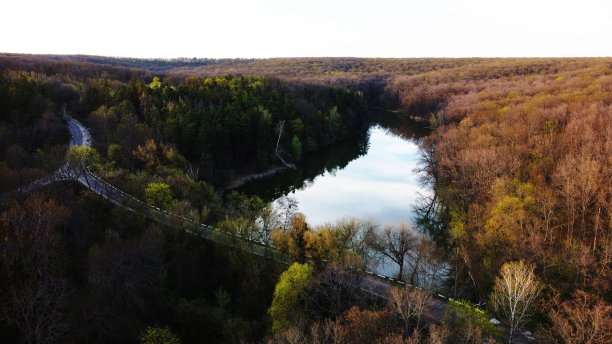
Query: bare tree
[[34, 296], [409, 305], [583, 319], [354, 235], [269, 219], [39, 310], [288, 209], [279, 129], [327, 331], [124, 272], [394, 243], [438, 334], [514, 293], [335, 290], [426, 265]]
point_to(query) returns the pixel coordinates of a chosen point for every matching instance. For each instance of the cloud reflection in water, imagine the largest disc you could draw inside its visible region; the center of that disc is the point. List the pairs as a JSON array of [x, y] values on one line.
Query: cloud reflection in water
[[380, 185]]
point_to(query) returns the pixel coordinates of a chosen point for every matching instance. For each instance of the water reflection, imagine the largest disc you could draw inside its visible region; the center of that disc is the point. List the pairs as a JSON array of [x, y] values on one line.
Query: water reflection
[[325, 161], [371, 176]]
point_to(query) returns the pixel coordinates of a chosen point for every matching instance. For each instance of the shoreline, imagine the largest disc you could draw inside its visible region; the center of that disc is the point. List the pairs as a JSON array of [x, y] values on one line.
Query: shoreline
[[245, 178]]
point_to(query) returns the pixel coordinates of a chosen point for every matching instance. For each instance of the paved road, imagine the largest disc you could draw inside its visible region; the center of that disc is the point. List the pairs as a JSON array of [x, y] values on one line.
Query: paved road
[[79, 134]]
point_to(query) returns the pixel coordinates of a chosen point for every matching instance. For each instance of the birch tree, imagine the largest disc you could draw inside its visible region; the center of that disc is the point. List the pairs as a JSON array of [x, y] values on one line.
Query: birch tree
[[514, 293]]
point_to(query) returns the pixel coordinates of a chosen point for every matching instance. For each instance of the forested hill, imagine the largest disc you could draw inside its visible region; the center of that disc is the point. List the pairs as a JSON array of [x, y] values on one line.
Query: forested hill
[[375, 77], [519, 159], [220, 124], [29, 62], [226, 122], [320, 67], [307, 66]]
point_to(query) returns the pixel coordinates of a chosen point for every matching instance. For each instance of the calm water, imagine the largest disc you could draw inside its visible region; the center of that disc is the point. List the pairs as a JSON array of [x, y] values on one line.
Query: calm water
[[371, 176]]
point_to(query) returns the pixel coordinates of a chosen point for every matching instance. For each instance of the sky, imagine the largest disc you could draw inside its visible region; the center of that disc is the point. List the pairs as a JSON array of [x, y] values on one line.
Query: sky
[[287, 28]]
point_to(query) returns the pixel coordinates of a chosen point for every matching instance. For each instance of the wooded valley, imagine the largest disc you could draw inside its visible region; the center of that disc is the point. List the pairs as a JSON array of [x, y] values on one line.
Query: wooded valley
[[518, 156]]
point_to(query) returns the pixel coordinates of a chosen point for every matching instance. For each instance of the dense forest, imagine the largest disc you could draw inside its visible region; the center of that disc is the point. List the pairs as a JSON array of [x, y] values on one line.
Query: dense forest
[[519, 157]]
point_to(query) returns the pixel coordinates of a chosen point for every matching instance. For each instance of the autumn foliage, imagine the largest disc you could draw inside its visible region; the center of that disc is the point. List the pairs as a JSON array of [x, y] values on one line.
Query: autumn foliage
[[521, 162], [519, 159]]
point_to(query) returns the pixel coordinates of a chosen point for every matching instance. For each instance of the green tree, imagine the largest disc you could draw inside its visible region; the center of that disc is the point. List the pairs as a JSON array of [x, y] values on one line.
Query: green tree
[[79, 158], [284, 309], [297, 126], [84, 155], [115, 155], [158, 335], [158, 194], [296, 144], [468, 323], [156, 83], [506, 230]]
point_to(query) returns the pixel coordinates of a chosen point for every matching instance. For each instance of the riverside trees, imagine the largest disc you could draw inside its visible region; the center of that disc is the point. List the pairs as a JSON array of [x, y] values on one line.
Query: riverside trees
[[395, 244], [519, 159], [521, 168], [208, 120], [284, 309]]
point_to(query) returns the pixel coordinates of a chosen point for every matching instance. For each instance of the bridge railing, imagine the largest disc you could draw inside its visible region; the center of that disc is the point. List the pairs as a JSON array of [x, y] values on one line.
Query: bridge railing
[[174, 220]]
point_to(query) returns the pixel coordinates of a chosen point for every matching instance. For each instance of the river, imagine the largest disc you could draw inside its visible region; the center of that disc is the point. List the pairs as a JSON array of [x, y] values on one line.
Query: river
[[371, 176]]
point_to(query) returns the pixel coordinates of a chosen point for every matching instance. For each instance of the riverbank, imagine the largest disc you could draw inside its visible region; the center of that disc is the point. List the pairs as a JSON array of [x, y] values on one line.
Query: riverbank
[[245, 178], [340, 153]]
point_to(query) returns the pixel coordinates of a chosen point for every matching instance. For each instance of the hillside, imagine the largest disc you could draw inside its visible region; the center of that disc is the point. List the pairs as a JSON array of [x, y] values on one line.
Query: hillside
[[519, 158]]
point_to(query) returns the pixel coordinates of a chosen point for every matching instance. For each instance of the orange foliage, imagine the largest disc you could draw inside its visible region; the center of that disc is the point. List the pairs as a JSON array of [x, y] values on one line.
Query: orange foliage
[[543, 126]]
